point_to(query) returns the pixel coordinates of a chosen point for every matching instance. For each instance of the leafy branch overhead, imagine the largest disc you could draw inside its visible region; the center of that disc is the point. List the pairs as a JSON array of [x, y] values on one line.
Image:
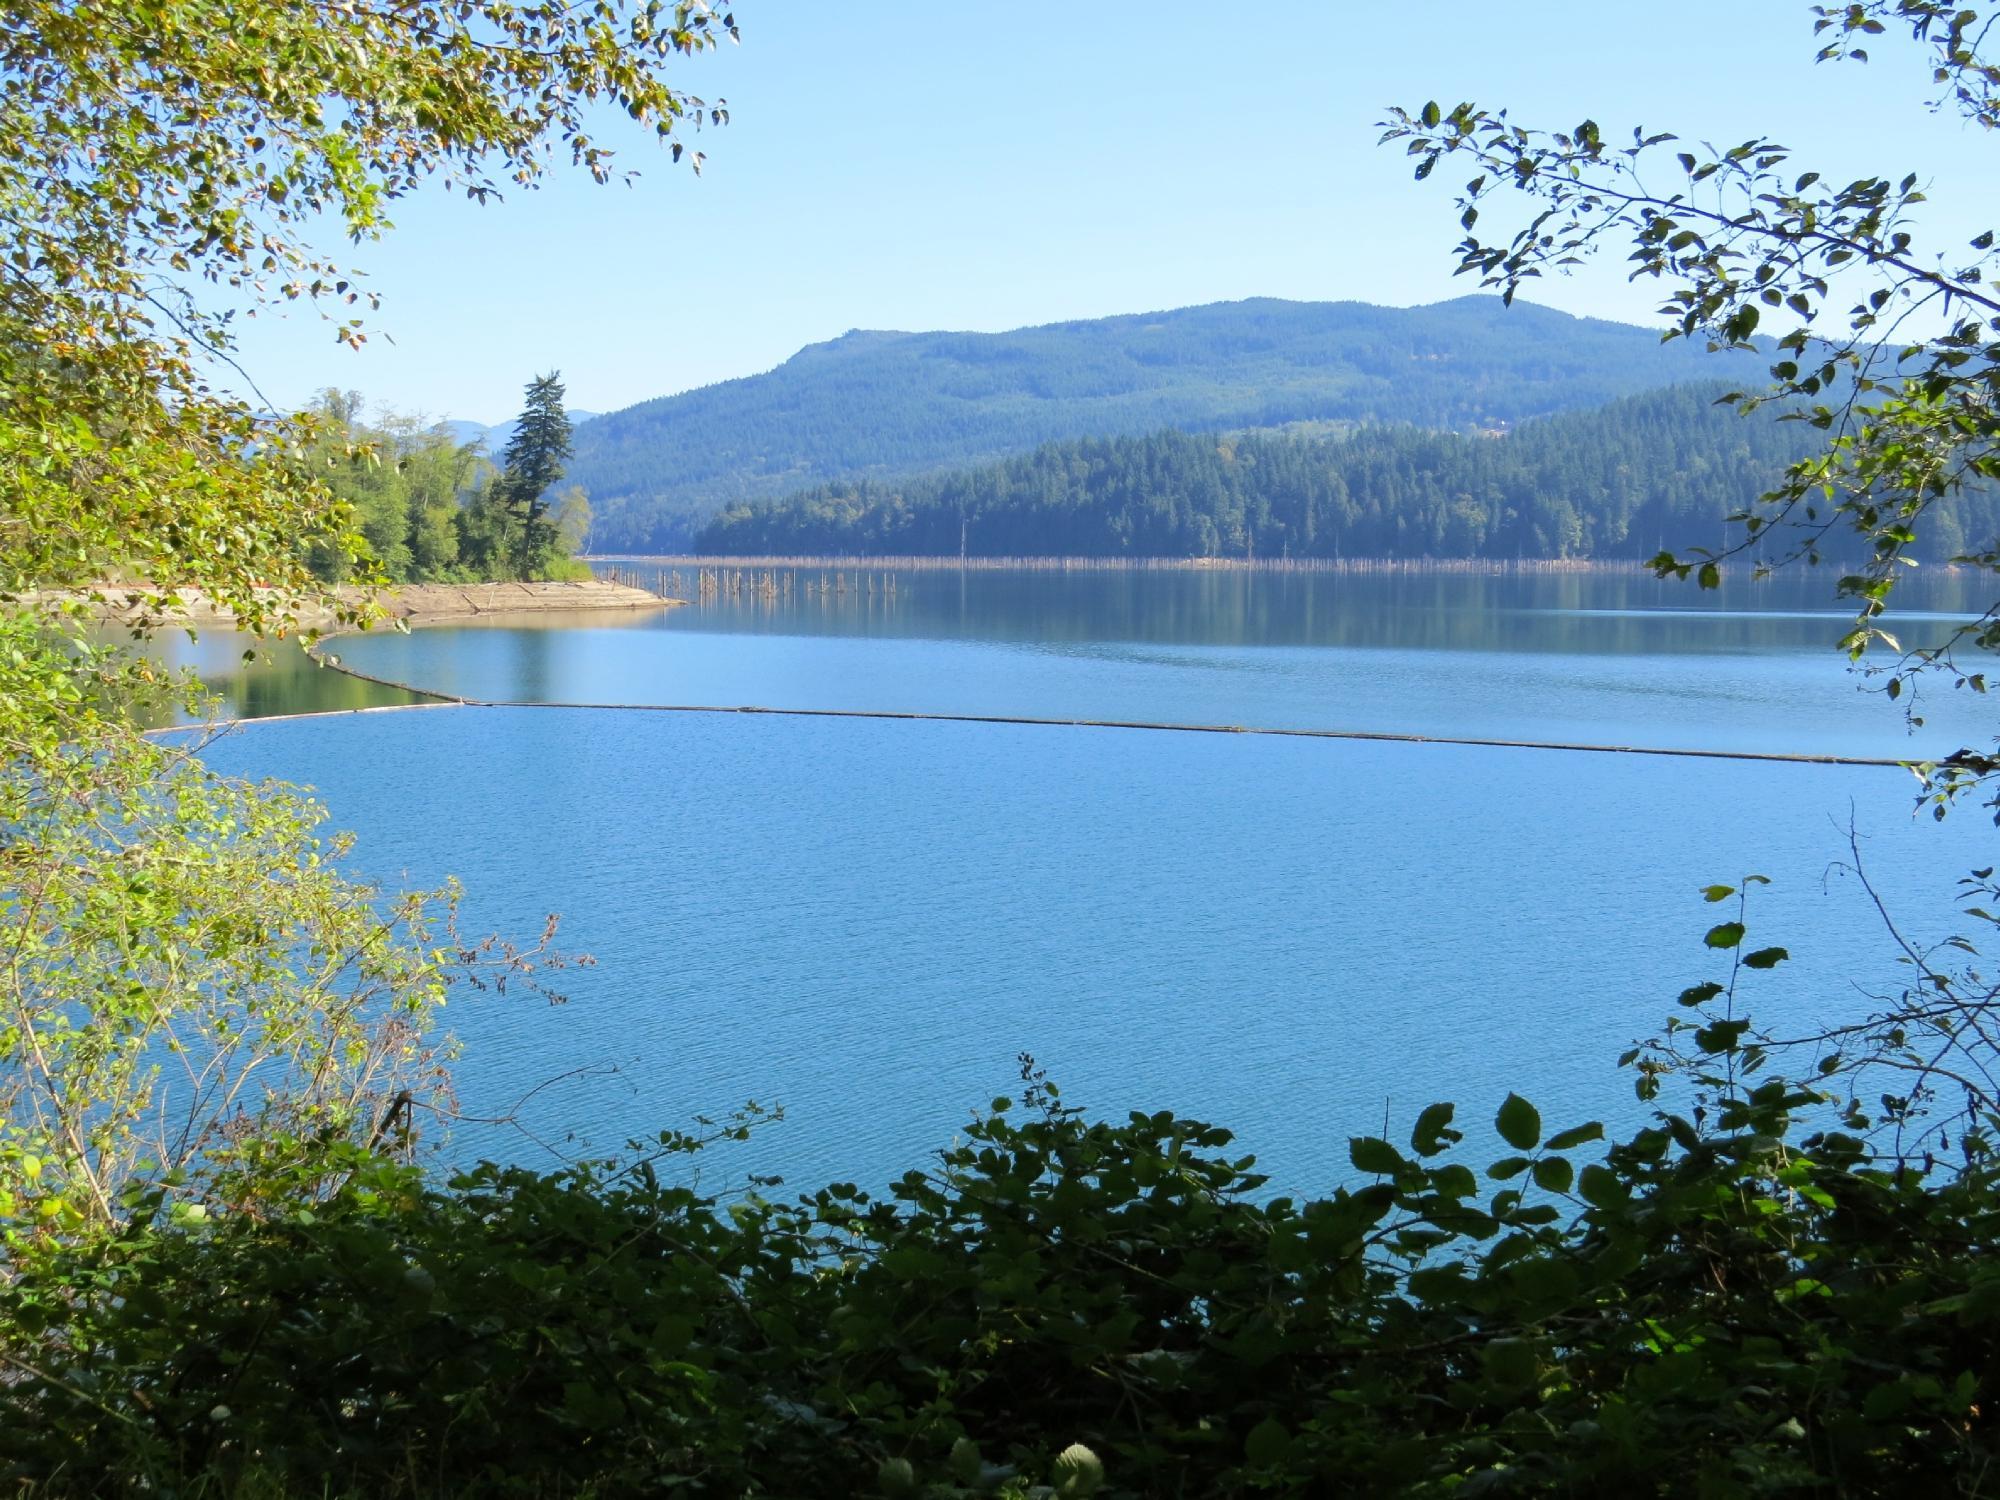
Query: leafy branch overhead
[[162, 175], [1888, 346]]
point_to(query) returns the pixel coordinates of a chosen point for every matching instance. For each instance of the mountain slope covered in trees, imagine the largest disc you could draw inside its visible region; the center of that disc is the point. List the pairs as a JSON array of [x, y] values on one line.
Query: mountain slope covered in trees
[[1647, 472], [892, 405]]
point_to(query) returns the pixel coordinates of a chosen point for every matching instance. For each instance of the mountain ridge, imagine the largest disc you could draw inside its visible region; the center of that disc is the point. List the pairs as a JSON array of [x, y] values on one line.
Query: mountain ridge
[[889, 404]]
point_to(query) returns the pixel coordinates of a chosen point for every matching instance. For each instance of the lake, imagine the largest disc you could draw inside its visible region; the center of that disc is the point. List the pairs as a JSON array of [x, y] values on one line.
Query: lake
[[866, 920]]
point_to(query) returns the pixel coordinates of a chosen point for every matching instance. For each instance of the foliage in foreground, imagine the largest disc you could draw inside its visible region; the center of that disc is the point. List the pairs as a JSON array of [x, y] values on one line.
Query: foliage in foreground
[[188, 975], [191, 994], [1724, 1310]]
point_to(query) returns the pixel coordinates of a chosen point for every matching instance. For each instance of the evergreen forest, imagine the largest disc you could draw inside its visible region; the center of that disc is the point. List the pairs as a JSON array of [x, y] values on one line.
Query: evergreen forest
[[1625, 481]]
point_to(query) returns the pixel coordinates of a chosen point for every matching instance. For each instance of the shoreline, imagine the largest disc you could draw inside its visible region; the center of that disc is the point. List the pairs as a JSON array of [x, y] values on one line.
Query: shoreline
[[407, 604], [950, 563], [426, 603], [1471, 567]]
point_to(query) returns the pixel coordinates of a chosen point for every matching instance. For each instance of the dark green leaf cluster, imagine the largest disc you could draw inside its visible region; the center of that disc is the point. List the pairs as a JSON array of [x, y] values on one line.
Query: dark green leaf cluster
[[1060, 1306], [1624, 481], [888, 405]]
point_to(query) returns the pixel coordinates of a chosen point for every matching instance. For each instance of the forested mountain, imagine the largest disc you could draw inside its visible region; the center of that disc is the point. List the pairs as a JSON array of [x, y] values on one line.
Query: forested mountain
[[1658, 470], [892, 405]]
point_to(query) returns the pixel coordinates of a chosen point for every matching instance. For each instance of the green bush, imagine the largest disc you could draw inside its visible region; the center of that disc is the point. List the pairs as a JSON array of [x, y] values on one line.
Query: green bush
[[1734, 1308]]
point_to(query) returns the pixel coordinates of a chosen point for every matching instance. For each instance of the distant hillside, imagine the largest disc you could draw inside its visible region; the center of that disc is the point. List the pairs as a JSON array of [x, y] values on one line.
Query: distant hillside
[[495, 437], [1641, 474], [890, 405]]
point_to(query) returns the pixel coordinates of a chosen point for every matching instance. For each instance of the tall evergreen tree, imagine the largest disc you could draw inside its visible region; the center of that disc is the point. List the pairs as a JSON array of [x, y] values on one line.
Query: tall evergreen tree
[[534, 462]]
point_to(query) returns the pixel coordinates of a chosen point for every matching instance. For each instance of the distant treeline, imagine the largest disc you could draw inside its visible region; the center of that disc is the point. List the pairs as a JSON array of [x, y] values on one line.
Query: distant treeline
[[1663, 469]]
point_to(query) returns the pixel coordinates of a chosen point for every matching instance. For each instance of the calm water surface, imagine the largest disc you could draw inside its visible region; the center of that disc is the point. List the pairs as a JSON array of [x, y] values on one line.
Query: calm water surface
[[256, 679], [866, 921], [1595, 658]]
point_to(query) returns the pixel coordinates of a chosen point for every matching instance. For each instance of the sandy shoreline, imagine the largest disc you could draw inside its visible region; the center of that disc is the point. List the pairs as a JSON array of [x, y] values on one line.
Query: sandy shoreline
[[413, 604]]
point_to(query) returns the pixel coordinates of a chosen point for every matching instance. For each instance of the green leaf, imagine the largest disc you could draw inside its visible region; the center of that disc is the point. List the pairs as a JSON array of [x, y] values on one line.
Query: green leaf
[[1512, 1363], [1268, 1443], [1077, 1471], [1433, 1130], [1601, 1187], [1575, 1136], [1372, 1154], [1554, 1175], [1724, 935], [1519, 1123], [966, 1464], [1721, 1036], [1454, 1181], [1717, 892], [1765, 958]]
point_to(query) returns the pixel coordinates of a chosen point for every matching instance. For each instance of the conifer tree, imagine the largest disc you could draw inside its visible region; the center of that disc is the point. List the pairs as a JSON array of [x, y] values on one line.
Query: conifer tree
[[534, 461]]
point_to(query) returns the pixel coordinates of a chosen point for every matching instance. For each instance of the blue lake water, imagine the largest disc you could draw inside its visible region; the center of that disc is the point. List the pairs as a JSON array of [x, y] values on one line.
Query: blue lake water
[[1592, 658], [866, 920]]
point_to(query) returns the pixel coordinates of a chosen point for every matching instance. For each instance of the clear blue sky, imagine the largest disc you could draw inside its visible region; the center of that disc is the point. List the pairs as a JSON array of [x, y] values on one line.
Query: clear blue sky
[[960, 164]]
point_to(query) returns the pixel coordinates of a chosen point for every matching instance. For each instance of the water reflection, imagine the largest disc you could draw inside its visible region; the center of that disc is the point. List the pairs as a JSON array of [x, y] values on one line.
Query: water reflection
[[255, 678], [533, 666], [1601, 657], [1600, 612]]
